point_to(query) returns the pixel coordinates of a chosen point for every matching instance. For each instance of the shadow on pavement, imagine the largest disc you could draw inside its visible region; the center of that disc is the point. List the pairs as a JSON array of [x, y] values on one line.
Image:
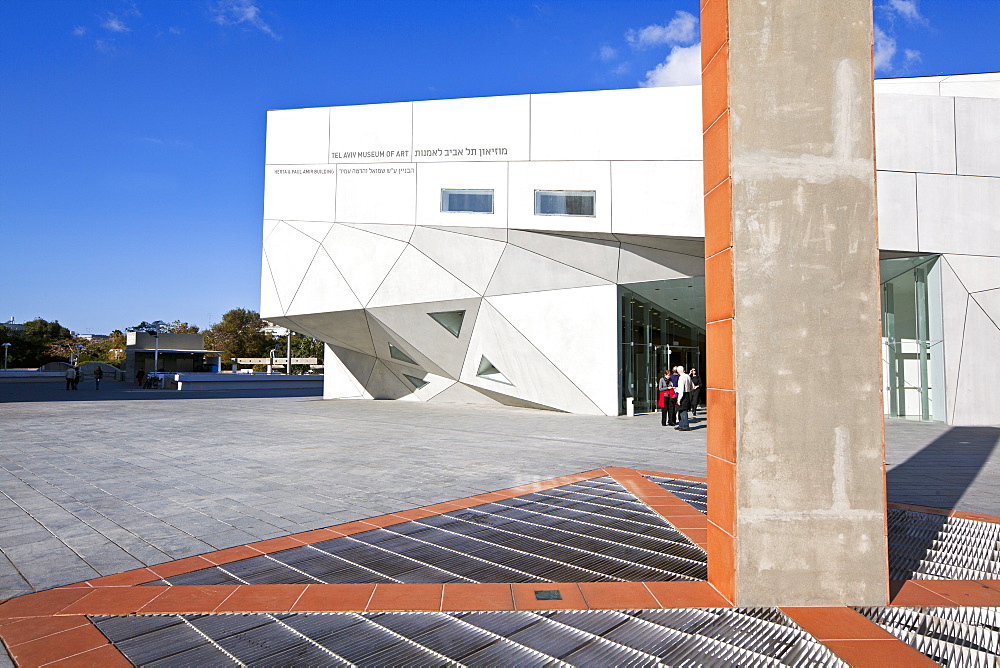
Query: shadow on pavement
[[937, 476], [14, 392]]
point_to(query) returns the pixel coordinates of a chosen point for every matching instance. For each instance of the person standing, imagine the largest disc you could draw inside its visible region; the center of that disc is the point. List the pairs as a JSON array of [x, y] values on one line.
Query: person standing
[[666, 400], [98, 374], [696, 393], [684, 389], [77, 375], [70, 375]]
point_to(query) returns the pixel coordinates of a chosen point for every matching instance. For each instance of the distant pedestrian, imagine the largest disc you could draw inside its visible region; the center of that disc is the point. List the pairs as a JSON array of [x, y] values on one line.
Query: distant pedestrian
[[696, 393], [98, 374], [77, 375], [70, 375], [684, 391], [138, 377], [668, 409]]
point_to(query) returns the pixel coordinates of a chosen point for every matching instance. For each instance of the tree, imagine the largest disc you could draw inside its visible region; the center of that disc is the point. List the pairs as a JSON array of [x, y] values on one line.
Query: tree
[[178, 327], [239, 334], [32, 347]]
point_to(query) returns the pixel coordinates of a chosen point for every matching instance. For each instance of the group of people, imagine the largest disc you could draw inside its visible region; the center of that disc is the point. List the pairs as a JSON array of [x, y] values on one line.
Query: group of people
[[74, 375], [679, 393]]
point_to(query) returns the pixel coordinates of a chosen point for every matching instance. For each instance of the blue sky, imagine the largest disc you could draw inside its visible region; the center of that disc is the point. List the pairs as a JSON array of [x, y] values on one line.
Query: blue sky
[[133, 145]]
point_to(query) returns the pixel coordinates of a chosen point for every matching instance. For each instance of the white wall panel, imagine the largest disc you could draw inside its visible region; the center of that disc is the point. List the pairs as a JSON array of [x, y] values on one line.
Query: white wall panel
[[662, 198], [958, 214], [289, 253], [270, 305], [297, 136], [382, 193], [977, 136], [897, 211], [371, 133], [433, 177], [416, 278], [641, 263], [594, 256], [527, 177], [477, 128], [910, 86], [471, 259], [339, 381], [323, 289], [985, 84], [364, 258], [975, 403], [976, 272], [630, 124], [577, 331], [303, 192], [915, 133]]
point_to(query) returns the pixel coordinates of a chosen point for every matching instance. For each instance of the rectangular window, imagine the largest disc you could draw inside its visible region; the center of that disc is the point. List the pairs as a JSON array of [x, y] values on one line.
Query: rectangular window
[[564, 202], [467, 201]]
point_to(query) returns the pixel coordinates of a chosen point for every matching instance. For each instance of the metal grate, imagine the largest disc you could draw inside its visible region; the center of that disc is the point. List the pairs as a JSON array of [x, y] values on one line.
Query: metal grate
[[921, 546], [745, 637], [591, 531], [963, 636]]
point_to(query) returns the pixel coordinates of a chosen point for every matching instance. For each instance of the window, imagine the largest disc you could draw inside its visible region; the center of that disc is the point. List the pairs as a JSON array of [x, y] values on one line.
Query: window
[[467, 201], [490, 372], [564, 202], [450, 320], [397, 354], [416, 382]]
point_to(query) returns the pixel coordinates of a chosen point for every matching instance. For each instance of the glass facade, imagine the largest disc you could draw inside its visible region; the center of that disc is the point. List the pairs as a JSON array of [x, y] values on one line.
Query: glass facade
[[662, 324], [912, 338]]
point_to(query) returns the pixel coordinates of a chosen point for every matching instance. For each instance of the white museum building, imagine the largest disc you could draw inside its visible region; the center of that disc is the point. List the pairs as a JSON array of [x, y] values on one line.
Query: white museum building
[[547, 250]]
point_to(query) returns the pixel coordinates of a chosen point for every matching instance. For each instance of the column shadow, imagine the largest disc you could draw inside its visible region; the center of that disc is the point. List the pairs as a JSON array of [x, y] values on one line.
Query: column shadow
[[938, 476]]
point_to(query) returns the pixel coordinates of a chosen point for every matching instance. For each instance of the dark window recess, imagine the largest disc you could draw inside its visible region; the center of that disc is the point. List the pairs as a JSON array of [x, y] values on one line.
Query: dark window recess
[[564, 202]]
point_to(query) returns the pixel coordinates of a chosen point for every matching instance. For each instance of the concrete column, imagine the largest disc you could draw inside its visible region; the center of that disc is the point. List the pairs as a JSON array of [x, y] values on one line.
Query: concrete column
[[795, 456]]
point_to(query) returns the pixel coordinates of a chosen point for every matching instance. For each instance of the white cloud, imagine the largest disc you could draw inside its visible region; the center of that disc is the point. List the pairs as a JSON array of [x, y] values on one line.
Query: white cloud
[[912, 56], [79, 31], [907, 9], [681, 68], [682, 29], [235, 12], [885, 50], [114, 24], [607, 53]]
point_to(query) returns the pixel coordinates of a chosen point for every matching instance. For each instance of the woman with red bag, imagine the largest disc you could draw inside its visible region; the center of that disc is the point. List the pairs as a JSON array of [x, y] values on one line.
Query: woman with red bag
[[666, 402]]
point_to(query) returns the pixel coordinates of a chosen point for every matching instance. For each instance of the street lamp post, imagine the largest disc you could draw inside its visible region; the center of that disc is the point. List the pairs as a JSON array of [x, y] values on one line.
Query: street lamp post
[[6, 347], [156, 347], [79, 350]]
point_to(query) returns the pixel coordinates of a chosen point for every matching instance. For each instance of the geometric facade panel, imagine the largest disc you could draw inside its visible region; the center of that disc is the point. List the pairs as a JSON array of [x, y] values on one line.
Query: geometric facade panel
[[523, 271], [323, 289], [417, 278], [471, 259]]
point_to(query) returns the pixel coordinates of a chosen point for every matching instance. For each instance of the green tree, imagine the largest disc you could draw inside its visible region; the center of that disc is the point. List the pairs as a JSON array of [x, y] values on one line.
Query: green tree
[[32, 347], [239, 334], [178, 327]]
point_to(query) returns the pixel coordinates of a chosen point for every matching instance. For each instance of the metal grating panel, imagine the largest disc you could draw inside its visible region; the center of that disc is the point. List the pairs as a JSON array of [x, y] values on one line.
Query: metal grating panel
[[962, 636], [592, 531], [921, 546], [758, 637]]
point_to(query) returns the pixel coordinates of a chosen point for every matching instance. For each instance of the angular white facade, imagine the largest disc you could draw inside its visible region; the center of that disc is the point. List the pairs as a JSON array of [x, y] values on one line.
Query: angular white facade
[[378, 240]]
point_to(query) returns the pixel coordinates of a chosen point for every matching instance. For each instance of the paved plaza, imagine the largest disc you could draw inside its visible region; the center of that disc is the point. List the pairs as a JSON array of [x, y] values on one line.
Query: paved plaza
[[96, 483]]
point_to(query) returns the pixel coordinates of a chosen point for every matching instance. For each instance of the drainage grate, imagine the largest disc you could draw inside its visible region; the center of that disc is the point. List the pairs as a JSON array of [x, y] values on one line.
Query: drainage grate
[[921, 546], [591, 531], [759, 637], [962, 636]]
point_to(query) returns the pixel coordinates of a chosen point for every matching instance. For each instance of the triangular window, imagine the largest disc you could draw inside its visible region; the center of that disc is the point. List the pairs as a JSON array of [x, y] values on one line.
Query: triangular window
[[416, 382], [397, 354], [450, 320], [490, 372]]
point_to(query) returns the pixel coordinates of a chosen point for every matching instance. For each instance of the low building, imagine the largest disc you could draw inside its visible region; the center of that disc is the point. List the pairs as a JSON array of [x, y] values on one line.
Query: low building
[[183, 353], [548, 250]]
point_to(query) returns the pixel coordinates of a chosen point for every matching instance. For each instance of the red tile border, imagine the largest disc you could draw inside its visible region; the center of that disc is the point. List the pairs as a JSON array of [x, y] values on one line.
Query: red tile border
[[911, 594], [41, 604], [32, 628], [334, 598], [836, 623], [113, 601], [105, 656], [58, 646], [683, 516], [617, 595], [231, 554], [698, 594], [406, 597], [963, 592], [262, 598], [460, 597], [276, 544], [172, 568], [187, 599]]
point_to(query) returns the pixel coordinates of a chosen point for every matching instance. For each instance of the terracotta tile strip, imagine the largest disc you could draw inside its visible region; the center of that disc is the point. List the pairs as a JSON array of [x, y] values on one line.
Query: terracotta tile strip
[[878, 654], [683, 516], [661, 474], [63, 645], [946, 593], [836, 623]]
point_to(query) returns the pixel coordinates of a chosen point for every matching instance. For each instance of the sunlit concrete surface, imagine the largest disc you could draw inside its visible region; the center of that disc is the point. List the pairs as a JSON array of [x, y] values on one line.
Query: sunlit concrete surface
[[95, 483]]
